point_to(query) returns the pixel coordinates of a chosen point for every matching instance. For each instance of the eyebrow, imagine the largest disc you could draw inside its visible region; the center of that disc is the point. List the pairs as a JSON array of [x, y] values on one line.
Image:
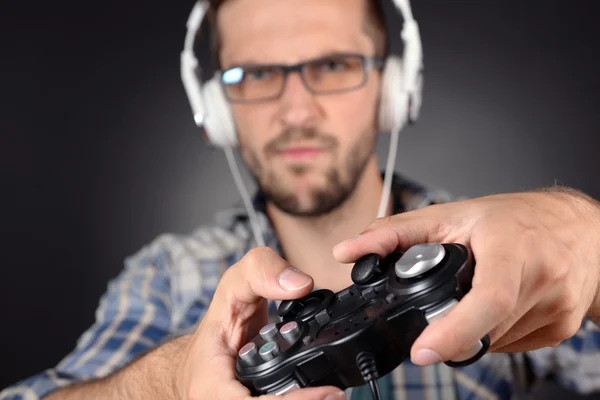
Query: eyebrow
[[249, 62]]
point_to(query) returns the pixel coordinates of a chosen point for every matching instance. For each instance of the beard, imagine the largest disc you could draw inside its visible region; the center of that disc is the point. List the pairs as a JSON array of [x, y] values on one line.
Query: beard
[[340, 180]]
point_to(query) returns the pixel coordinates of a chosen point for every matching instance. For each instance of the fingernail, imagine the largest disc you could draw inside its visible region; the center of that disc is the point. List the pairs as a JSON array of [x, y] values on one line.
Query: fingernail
[[336, 396], [293, 279], [426, 357]]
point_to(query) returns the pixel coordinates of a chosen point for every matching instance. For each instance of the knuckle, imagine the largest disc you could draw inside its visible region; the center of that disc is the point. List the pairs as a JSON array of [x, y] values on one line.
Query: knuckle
[[256, 256], [382, 221], [564, 330], [562, 267], [569, 302]]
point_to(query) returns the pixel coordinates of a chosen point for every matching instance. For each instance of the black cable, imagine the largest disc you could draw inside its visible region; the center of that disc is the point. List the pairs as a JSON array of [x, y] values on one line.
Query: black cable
[[374, 389], [368, 369]]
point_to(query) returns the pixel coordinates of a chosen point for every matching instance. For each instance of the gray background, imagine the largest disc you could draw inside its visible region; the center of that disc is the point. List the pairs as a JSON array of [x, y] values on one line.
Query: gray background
[[100, 153]]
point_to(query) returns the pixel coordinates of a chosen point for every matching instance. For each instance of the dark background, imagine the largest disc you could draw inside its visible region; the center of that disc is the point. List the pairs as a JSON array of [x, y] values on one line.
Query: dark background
[[100, 153]]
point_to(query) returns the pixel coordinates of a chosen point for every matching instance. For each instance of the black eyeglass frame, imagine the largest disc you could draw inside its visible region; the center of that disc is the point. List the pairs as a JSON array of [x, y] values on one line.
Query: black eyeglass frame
[[368, 63]]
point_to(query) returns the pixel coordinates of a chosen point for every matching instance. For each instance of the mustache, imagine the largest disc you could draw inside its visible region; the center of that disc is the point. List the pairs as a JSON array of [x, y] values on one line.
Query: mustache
[[298, 134]]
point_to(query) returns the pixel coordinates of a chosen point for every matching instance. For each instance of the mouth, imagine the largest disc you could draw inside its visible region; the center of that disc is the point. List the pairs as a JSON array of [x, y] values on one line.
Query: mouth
[[300, 152]]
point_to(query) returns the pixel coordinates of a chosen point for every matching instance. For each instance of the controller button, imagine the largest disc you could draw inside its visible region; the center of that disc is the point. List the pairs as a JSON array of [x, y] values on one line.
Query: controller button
[[369, 293], [441, 311], [307, 340], [268, 331], [315, 302], [290, 331], [293, 385], [269, 350], [365, 268], [472, 352], [289, 308], [419, 259], [248, 353], [345, 294], [323, 317]]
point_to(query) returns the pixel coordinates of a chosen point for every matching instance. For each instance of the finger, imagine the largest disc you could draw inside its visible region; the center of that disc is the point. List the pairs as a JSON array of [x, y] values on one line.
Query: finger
[[260, 274], [532, 312], [529, 323], [387, 234], [314, 393], [491, 300], [543, 337]]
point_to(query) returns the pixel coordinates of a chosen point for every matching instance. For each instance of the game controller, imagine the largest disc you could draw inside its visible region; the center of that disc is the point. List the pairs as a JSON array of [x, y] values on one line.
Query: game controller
[[365, 331]]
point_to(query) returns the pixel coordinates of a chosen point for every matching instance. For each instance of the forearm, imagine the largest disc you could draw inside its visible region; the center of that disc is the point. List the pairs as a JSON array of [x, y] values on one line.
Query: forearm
[[149, 377]]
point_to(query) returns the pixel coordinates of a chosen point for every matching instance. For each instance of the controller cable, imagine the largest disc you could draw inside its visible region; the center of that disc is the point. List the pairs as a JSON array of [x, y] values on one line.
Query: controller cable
[[368, 369]]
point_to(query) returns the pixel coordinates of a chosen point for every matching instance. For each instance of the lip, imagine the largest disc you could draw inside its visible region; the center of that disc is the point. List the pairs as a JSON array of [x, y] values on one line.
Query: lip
[[300, 153]]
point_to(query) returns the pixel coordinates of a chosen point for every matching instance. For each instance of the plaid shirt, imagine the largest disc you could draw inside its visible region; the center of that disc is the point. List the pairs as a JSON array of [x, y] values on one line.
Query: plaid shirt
[[167, 286]]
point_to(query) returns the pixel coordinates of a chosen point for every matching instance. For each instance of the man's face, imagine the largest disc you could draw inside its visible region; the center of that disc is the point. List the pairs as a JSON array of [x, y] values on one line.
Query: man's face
[[307, 151]]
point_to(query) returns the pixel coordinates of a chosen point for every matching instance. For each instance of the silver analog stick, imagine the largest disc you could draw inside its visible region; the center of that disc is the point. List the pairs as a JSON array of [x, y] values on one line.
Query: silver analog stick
[[419, 259]]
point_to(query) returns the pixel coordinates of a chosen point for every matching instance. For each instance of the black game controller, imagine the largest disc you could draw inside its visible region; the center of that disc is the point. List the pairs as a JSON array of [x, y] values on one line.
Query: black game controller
[[365, 331]]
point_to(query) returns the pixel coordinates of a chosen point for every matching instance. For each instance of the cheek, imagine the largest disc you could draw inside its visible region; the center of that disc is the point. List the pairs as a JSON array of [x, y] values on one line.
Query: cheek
[[352, 114], [252, 124]]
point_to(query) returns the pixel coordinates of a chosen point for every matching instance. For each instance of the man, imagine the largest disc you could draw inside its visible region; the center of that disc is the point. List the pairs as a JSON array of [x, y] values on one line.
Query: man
[[538, 254]]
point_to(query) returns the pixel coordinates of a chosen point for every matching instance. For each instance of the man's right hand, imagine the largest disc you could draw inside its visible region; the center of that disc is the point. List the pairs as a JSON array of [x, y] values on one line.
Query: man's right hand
[[237, 312]]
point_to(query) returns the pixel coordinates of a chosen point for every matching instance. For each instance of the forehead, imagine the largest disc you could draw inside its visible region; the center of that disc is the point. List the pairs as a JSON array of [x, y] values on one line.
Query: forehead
[[288, 31]]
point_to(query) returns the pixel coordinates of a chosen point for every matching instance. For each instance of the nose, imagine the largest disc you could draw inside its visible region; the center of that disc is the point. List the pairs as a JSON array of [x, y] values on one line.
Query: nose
[[298, 105]]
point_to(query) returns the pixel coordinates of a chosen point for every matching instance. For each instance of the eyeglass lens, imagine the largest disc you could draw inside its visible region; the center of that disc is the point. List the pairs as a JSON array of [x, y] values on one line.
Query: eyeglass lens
[[325, 75]]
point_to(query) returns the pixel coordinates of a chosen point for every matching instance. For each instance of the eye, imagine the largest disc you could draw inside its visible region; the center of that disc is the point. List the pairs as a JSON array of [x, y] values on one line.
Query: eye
[[332, 65], [258, 73]]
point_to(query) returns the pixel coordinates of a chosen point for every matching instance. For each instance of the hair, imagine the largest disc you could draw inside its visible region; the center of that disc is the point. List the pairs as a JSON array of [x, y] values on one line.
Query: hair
[[374, 26]]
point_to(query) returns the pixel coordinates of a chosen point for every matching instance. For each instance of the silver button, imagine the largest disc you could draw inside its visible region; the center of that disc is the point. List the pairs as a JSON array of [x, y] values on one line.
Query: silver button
[[248, 353], [268, 331], [441, 311], [290, 387], [269, 350], [290, 331], [419, 259]]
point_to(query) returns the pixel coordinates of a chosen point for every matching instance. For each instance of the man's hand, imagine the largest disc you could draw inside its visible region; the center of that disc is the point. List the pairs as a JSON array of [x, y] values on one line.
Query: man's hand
[[537, 268], [237, 312]]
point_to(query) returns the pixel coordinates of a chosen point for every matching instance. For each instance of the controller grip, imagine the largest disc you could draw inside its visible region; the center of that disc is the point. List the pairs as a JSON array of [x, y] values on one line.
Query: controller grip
[[480, 348]]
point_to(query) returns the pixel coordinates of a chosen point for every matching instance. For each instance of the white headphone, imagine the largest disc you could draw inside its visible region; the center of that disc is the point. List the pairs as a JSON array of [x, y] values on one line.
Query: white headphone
[[400, 102]]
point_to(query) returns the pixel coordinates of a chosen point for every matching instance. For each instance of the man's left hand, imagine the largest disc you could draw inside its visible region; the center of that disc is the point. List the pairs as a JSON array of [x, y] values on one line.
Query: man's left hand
[[537, 268]]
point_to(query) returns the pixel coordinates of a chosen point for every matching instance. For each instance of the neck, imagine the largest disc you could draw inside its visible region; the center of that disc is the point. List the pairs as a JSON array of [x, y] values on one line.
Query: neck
[[308, 241]]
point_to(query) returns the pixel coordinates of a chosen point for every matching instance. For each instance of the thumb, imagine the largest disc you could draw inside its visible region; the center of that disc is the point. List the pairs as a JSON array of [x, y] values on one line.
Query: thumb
[[401, 231], [260, 274]]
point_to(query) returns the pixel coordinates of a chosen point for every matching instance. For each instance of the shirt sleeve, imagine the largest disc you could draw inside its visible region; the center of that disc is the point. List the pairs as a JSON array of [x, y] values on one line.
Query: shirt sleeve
[[574, 363], [133, 316]]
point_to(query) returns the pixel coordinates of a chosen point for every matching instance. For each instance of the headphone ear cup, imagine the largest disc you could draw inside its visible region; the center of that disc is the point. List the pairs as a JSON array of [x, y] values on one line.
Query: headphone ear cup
[[218, 119], [393, 106], [416, 99]]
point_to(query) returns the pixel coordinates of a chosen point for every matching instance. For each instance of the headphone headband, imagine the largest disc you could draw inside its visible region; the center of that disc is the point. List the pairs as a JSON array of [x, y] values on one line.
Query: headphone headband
[[411, 80]]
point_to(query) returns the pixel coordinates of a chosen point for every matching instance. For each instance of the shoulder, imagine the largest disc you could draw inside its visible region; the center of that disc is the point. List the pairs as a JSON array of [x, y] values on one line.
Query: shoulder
[[190, 266], [219, 240]]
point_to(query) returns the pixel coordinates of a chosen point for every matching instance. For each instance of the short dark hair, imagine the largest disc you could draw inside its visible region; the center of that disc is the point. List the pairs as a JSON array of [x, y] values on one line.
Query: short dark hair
[[374, 27]]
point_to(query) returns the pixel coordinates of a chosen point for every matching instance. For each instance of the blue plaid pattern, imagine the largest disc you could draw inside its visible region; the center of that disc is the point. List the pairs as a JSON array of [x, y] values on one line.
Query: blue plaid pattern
[[166, 287]]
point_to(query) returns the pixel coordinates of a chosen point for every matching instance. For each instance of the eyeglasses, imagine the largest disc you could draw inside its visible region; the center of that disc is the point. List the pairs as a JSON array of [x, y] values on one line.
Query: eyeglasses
[[324, 75]]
